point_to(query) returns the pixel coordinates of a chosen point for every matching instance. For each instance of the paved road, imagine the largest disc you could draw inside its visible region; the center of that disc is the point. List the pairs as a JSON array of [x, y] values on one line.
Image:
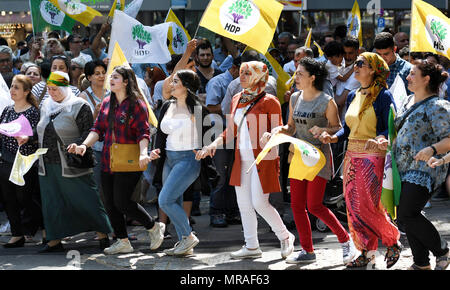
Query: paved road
[[213, 252]]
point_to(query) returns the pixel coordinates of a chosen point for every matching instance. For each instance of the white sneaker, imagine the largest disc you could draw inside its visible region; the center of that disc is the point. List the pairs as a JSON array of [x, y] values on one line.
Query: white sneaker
[[119, 247], [287, 246], [186, 244], [171, 251], [348, 252], [245, 253], [5, 228], [156, 235]]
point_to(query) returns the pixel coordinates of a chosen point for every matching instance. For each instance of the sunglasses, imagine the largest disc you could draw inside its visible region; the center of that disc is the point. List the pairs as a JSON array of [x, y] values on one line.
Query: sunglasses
[[75, 67], [360, 63]]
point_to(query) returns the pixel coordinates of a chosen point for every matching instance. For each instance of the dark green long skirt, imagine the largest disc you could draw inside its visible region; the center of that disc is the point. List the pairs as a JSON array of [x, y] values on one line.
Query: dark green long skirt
[[71, 205]]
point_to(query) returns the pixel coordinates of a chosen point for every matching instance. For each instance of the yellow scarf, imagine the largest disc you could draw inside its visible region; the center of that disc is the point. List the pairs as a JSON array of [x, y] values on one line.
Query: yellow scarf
[[381, 69]]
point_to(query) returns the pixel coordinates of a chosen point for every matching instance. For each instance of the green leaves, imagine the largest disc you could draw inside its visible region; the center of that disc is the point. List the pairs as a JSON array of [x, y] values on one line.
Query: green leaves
[[438, 29], [241, 7]]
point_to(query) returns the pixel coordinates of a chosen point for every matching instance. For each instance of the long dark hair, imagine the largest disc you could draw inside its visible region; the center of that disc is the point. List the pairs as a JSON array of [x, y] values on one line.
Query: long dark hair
[[133, 93], [191, 82]]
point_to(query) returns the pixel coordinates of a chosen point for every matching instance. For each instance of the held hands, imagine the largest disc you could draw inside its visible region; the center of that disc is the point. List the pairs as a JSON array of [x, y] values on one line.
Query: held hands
[[209, 150], [155, 154], [265, 138], [434, 162], [317, 131], [144, 160], [79, 150], [325, 138]]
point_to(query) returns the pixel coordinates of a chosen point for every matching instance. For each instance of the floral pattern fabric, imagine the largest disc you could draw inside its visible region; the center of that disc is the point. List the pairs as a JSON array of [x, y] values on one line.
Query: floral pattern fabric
[[426, 125]]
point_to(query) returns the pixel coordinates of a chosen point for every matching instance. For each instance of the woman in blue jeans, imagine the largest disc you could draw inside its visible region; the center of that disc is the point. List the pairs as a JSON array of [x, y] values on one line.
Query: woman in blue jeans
[[178, 136]]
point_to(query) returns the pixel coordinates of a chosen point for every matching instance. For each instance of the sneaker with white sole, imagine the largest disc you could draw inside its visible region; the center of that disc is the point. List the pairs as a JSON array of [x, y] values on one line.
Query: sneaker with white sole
[[186, 244], [171, 251], [302, 258], [245, 253], [348, 252], [156, 235], [287, 246], [119, 247]]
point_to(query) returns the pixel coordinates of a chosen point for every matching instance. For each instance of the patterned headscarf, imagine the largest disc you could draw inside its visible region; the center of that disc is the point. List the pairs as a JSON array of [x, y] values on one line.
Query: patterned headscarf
[[381, 69], [258, 79]]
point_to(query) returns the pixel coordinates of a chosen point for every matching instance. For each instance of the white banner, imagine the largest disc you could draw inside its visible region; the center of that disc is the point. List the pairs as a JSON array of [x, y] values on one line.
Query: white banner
[[140, 44], [5, 97]]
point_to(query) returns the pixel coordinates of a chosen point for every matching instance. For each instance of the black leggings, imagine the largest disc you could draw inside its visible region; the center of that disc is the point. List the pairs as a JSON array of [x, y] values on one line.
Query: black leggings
[[18, 198], [421, 233], [118, 188]]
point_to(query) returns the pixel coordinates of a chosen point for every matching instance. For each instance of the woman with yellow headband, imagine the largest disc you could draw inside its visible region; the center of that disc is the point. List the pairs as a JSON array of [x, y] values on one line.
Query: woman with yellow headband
[[70, 199], [366, 128]]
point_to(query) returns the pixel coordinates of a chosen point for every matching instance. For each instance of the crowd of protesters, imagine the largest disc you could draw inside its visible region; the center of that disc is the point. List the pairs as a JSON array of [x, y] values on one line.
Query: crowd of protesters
[[338, 101]]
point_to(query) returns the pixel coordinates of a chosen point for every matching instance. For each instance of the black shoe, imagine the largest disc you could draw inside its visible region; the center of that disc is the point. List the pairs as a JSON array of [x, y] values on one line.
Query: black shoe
[[218, 221], [54, 249], [104, 243], [17, 244]]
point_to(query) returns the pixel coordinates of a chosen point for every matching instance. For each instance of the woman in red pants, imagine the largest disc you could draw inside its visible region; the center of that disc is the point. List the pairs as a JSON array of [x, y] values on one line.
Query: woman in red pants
[[312, 112]]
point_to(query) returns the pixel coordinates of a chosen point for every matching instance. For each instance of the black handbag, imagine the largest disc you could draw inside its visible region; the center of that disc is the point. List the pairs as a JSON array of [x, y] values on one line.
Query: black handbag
[[74, 160]]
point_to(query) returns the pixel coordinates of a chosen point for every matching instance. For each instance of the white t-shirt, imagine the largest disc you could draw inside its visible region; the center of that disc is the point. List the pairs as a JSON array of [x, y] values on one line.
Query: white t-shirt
[[334, 71], [181, 134]]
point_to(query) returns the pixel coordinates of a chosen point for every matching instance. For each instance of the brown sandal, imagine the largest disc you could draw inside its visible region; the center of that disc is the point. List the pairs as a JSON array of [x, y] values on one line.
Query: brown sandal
[[361, 262], [392, 255]]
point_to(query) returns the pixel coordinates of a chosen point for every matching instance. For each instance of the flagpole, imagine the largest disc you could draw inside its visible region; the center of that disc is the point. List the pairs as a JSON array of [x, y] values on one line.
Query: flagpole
[[300, 21], [209, 3]]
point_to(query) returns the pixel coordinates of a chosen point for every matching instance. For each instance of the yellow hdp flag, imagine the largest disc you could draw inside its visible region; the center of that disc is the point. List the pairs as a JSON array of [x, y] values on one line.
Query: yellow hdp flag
[[308, 38], [306, 162], [77, 11], [22, 164], [114, 7], [177, 35], [252, 22], [430, 29], [354, 23], [119, 59], [319, 48]]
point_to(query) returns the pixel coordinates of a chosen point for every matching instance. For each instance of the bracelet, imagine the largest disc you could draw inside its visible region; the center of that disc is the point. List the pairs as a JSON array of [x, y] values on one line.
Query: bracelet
[[443, 159], [434, 150], [84, 145]]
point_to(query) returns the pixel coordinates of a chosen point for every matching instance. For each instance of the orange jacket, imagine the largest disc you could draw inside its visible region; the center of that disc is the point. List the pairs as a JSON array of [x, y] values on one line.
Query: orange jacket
[[266, 110]]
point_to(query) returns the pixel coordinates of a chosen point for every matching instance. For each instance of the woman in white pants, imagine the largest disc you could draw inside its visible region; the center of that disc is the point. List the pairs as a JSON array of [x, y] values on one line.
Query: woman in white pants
[[254, 113]]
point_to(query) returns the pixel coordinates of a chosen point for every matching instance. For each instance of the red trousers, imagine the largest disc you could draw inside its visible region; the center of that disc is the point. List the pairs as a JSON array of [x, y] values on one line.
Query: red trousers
[[304, 192]]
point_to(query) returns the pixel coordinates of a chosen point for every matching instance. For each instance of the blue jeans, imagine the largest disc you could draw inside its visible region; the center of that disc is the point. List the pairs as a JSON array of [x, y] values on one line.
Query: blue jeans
[[180, 171]]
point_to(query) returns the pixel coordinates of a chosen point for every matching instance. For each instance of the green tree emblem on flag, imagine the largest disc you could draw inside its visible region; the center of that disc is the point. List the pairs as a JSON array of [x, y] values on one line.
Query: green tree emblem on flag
[[178, 38], [438, 29], [52, 10], [141, 36], [240, 9]]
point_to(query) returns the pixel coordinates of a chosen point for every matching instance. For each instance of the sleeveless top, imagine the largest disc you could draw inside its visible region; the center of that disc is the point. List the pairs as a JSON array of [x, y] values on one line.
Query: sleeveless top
[[307, 114]]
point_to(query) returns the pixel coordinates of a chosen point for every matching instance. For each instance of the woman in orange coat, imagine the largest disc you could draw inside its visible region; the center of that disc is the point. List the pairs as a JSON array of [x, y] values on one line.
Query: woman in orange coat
[[253, 113]]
